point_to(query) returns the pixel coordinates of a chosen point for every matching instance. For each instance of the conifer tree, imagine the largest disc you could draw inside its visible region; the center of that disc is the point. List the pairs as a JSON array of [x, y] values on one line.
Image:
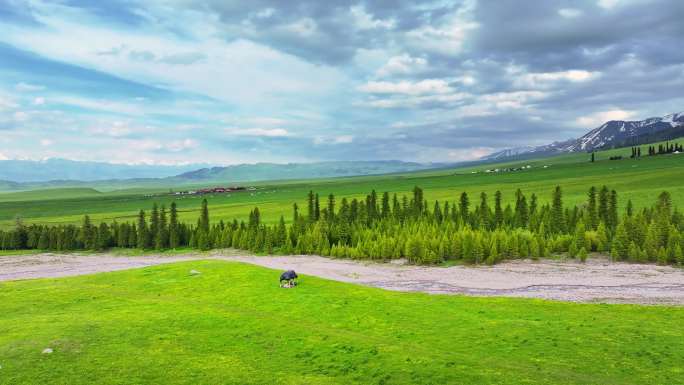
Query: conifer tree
[[613, 210], [154, 222], [463, 207], [386, 210], [437, 212], [498, 212], [204, 217], [142, 231], [591, 209], [603, 204], [310, 206], [174, 236], [557, 220]]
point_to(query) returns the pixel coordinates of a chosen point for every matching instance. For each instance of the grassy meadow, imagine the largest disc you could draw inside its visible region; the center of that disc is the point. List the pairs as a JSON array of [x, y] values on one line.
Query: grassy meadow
[[232, 324], [637, 179]]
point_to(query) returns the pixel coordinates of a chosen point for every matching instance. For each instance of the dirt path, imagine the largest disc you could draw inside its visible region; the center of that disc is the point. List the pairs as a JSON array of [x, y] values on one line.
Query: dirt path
[[598, 280]]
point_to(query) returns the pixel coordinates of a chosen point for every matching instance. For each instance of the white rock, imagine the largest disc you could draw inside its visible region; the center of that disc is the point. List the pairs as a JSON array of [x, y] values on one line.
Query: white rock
[[194, 272], [47, 351]]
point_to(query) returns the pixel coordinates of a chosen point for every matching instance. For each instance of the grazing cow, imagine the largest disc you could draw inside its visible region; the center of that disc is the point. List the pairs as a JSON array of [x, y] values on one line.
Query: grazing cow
[[288, 279]]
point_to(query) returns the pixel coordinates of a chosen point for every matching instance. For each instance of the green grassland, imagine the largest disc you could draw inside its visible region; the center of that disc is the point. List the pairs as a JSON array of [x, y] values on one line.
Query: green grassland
[[637, 179], [232, 324]]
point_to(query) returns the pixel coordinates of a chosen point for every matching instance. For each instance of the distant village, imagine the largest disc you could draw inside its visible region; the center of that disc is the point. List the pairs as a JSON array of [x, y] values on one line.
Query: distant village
[[213, 190]]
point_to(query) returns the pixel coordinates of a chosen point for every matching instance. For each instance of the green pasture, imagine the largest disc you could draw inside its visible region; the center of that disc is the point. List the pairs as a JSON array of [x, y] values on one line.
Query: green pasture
[[232, 324], [637, 179]]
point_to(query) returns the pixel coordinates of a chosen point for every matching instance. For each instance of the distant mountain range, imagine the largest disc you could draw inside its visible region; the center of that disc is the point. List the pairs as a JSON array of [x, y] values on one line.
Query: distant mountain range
[[63, 169], [273, 171], [228, 175], [615, 133]]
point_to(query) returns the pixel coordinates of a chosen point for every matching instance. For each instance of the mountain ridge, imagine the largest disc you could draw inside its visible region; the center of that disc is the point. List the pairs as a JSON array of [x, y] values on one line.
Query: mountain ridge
[[236, 174], [611, 134]]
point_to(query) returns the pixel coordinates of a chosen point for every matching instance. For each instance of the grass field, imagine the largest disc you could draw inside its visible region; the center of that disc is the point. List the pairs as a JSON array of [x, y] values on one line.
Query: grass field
[[638, 179], [233, 325]]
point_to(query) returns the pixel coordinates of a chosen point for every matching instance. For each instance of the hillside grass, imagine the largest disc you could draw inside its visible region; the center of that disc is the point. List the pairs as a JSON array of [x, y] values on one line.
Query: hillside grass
[[232, 324], [640, 180]]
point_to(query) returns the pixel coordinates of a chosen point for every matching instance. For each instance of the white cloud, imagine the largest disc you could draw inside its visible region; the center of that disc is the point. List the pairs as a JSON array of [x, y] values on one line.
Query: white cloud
[[26, 87], [21, 116], [241, 71], [46, 142], [116, 129], [155, 145], [265, 13], [6, 103], [446, 38], [428, 86], [607, 4], [548, 79], [364, 20], [344, 139], [266, 121], [39, 101], [3, 156], [258, 131], [417, 101], [513, 100], [181, 145], [469, 153], [305, 27], [570, 13], [598, 118], [403, 64]]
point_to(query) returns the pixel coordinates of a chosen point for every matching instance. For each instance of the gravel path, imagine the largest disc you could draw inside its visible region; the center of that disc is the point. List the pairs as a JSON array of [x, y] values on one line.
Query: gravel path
[[598, 280]]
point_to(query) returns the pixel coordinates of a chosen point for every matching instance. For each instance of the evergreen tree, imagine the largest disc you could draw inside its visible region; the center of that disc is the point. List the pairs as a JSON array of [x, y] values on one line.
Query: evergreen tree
[[603, 205], [463, 207], [174, 236], [498, 212], [485, 213], [310, 206], [204, 217], [142, 231], [386, 211], [557, 223], [591, 209], [331, 208], [613, 210]]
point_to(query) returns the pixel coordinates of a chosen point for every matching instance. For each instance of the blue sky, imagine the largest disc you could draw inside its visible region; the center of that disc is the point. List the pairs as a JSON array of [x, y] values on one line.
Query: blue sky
[[228, 82]]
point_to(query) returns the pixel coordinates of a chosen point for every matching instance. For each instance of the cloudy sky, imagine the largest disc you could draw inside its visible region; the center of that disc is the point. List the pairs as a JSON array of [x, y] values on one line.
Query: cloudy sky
[[177, 81]]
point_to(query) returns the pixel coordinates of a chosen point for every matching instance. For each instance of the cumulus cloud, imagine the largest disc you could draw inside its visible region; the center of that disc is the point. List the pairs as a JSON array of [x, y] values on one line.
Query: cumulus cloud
[[26, 87], [548, 79], [570, 13], [402, 65], [364, 20], [598, 118], [427, 86], [284, 75], [257, 131]]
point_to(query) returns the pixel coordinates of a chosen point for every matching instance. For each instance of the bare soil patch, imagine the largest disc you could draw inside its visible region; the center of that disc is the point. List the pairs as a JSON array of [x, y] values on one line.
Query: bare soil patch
[[597, 280]]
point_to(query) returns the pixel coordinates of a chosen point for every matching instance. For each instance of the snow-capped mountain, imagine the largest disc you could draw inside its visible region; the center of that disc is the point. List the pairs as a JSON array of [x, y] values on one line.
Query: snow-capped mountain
[[615, 133]]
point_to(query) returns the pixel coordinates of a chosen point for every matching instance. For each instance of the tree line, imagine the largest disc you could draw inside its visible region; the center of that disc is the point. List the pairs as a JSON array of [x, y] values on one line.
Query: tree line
[[667, 148], [387, 226]]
